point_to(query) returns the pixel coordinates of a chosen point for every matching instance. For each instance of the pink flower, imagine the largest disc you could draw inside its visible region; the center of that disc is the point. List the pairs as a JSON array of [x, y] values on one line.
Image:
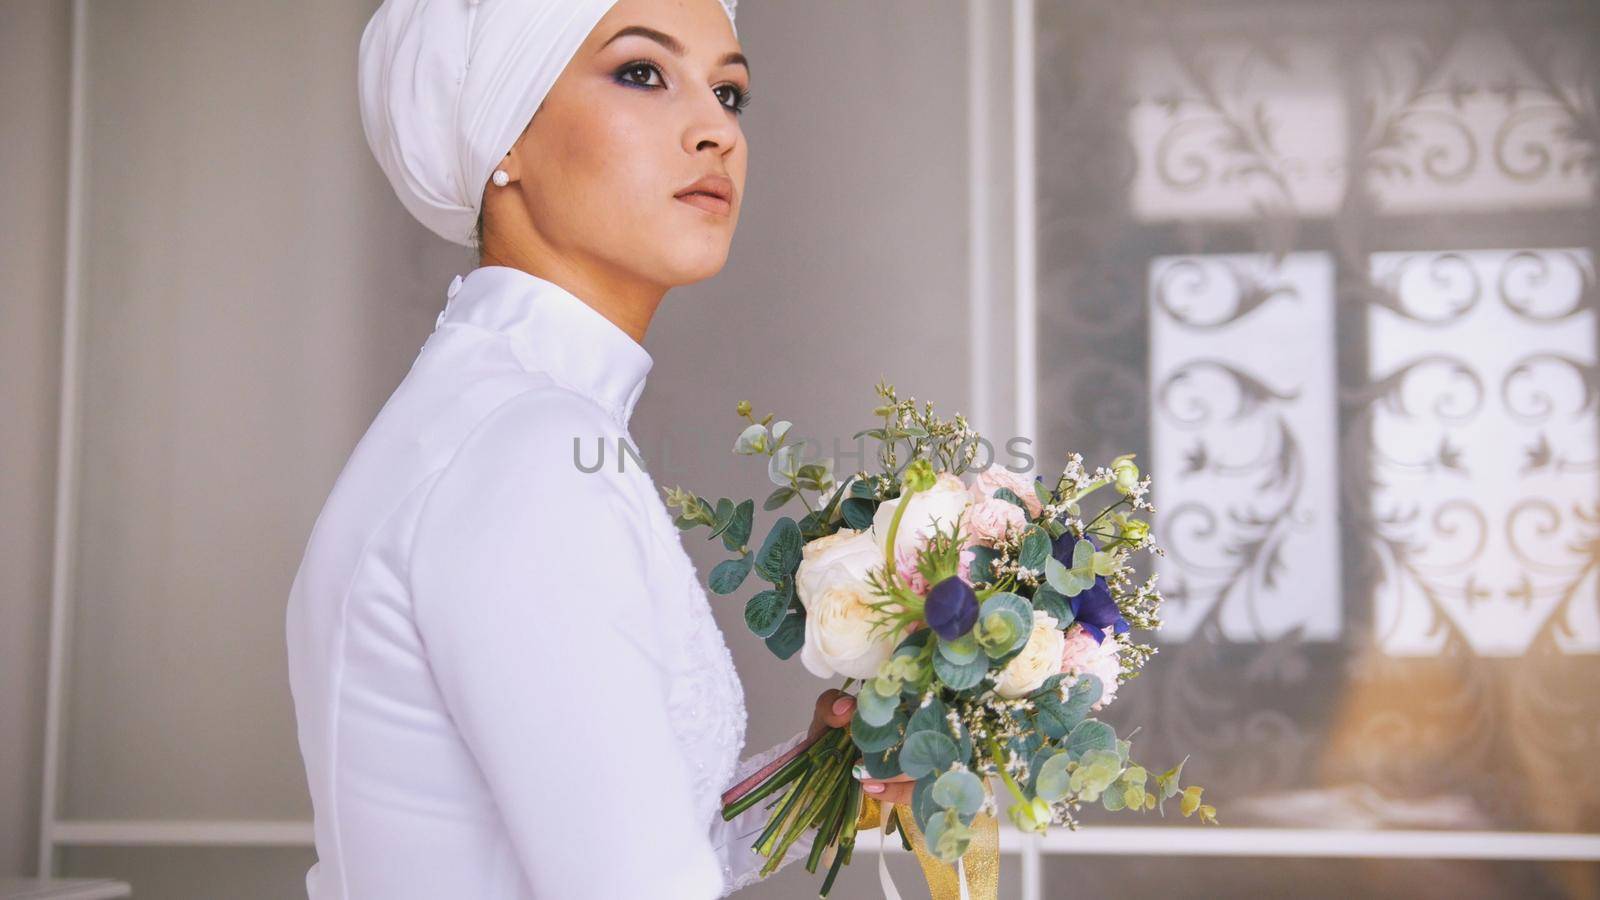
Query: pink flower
[[905, 563], [989, 521], [1082, 654], [996, 477]]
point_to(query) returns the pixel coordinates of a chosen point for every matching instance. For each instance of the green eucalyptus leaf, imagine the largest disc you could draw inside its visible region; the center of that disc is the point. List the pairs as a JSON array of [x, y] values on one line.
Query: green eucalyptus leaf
[[765, 612], [814, 472], [982, 569], [927, 751], [947, 836], [722, 518], [1010, 496], [738, 532], [1035, 548], [1047, 599], [1042, 492], [1085, 692], [778, 498], [1089, 735], [883, 765], [784, 464], [875, 708], [960, 651], [726, 576], [871, 738], [923, 807], [1056, 575], [935, 717], [1001, 631], [929, 718], [1113, 800], [960, 677], [960, 790], [1021, 612], [857, 513], [780, 552], [1051, 782], [790, 636], [752, 440]]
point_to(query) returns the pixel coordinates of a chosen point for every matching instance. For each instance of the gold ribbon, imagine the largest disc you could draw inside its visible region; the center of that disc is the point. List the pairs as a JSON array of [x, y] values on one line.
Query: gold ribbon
[[982, 859]]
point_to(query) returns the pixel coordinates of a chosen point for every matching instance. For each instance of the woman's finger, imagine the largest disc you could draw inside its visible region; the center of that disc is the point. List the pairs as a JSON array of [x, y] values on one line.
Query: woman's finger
[[889, 791], [835, 708], [841, 707]]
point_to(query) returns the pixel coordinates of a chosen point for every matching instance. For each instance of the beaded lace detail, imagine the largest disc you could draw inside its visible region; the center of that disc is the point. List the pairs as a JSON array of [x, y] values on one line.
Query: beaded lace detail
[[707, 705], [705, 697]]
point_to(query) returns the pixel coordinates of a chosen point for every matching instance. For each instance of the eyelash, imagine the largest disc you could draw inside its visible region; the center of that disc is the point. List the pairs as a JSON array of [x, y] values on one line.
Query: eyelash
[[742, 96]]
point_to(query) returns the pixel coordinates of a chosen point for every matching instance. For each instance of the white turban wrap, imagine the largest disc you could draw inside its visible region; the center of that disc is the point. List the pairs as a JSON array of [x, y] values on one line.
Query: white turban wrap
[[447, 86]]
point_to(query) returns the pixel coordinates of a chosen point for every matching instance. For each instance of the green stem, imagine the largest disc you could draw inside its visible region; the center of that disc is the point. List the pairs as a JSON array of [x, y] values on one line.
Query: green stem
[[890, 569], [1103, 513], [829, 826], [763, 844], [999, 762], [832, 773], [799, 795], [791, 770]]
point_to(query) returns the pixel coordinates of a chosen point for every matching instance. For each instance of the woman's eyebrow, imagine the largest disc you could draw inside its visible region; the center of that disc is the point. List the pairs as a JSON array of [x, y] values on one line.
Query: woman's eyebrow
[[674, 45]]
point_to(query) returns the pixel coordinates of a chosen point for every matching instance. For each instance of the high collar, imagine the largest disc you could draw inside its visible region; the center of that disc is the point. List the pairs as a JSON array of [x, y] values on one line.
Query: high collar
[[554, 332]]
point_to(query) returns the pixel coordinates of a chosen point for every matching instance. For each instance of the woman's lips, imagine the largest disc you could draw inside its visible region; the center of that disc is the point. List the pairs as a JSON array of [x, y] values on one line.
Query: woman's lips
[[708, 202]]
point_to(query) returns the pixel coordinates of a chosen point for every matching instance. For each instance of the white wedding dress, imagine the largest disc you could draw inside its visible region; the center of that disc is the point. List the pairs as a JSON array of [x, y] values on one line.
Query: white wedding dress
[[506, 675]]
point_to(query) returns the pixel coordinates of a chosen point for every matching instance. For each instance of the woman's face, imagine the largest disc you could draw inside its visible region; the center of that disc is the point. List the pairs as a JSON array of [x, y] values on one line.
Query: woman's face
[[646, 108]]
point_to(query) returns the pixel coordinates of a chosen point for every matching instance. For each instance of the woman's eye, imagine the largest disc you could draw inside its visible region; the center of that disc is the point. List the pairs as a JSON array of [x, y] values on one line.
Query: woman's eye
[[740, 98], [628, 72]]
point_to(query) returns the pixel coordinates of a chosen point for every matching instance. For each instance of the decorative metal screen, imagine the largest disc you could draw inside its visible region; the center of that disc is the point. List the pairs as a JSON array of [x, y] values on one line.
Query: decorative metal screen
[[1330, 268]]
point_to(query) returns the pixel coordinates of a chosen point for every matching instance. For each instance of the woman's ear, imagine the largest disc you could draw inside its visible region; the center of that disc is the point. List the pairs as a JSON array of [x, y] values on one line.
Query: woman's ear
[[511, 163], [507, 172]]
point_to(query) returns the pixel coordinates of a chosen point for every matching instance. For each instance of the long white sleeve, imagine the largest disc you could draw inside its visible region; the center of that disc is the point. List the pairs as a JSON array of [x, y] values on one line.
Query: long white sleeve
[[537, 615], [732, 839]]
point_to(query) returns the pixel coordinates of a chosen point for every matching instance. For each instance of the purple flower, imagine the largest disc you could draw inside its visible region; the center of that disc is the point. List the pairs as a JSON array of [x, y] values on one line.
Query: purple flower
[[1093, 608], [951, 608]]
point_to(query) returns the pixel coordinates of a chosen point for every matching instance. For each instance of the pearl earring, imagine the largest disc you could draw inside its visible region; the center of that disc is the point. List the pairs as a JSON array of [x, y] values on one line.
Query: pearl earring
[[501, 179]]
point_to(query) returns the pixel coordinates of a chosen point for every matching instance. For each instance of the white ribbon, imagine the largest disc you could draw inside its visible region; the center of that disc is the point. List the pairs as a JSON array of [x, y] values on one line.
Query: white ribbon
[[889, 891]]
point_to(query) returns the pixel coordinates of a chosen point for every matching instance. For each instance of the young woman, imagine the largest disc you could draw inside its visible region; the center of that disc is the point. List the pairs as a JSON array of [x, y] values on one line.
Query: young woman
[[507, 679]]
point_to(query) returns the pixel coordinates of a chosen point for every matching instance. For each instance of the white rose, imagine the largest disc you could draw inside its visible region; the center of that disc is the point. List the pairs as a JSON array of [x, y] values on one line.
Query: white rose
[[831, 582], [991, 520], [996, 477], [939, 504], [1040, 659], [839, 637], [846, 551]]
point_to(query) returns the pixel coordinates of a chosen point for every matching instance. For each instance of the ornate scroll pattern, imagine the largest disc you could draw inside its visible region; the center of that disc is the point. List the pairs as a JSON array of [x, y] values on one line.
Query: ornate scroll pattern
[[1481, 117], [1279, 165], [1242, 376], [1476, 500]]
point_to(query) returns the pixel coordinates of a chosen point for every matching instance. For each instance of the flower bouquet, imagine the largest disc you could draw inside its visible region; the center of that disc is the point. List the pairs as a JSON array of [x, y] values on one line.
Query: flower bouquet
[[985, 622]]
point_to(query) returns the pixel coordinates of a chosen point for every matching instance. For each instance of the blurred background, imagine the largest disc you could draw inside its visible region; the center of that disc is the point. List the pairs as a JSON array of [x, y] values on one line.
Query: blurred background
[[1328, 268]]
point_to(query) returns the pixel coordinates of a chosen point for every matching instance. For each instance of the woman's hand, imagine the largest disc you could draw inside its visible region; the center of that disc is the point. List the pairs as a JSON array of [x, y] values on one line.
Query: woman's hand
[[834, 710]]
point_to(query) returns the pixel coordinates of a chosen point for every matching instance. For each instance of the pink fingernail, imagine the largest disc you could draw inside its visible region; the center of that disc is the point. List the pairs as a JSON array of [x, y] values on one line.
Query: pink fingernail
[[872, 788], [841, 704]]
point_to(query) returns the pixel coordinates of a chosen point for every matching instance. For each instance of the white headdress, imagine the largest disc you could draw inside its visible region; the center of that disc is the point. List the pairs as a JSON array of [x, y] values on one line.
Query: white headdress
[[447, 86]]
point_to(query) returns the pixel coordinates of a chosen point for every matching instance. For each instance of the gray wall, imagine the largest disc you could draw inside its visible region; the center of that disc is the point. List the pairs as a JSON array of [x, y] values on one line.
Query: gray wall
[[252, 292], [33, 98]]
